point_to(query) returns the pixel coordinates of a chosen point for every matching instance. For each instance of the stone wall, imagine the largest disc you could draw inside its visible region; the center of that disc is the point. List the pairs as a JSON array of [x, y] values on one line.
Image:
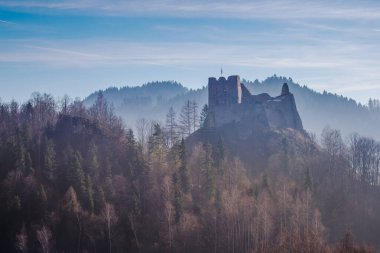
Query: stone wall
[[230, 102]]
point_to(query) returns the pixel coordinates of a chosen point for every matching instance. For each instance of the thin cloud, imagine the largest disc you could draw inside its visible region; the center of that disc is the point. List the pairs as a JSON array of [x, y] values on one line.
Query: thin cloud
[[70, 52], [168, 28], [245, 9], [342, 69], [6, 22], [188, 54], [63, 5]]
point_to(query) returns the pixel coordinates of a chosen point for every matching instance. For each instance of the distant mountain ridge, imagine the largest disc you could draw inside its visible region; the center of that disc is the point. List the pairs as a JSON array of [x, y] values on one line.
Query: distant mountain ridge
[[151, 100], [317, 110]]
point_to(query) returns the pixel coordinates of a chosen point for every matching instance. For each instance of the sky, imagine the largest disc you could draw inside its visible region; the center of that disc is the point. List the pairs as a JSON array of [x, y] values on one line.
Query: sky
[[76, 47]]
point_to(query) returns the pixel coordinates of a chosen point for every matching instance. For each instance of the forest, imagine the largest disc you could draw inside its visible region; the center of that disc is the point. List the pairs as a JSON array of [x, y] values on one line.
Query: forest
[[74, 178]]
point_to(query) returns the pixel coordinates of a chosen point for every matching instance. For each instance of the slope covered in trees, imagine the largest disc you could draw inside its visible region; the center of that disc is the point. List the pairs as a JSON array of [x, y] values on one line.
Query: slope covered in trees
[[150, 101], [317, 110], [73, 179]]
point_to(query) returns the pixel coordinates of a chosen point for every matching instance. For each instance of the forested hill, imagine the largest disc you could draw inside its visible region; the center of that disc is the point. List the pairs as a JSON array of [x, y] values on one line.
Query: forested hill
[[150, 101], [317, 110], [73, 179]]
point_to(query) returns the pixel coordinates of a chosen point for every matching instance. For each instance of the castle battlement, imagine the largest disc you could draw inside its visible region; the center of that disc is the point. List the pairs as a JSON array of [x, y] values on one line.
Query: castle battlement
[[231, 102], [224, 91]]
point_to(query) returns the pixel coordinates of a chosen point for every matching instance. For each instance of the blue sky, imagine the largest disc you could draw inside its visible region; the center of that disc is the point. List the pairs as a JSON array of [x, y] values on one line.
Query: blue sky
[[76, 47]]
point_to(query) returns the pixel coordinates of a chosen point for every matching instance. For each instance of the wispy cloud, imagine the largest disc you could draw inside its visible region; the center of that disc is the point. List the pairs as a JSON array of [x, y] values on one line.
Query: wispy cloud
[[70, 53], [340, 69], [90, 53], [6, 22], [80, 4], [248, 9], [169, 28], [328, 44]]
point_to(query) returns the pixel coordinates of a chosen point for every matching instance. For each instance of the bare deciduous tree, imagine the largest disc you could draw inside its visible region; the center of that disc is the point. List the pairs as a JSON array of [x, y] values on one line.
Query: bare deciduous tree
[[332, 142], [44, 238], [189, 118], [132, 221], [77, 108], [110, 218], [171, 126], [142, 127], [365, 158], [186, 119], [65, 103], [195, 115]]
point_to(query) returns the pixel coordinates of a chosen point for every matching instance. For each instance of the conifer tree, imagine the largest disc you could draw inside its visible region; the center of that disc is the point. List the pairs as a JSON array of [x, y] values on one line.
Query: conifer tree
[[220, 154], [42, 203], [209, 171], [64, 170], [90, 194], [99, 199], [308, 180], [76, 174], [156, 141], [19, 162], [49, 159], [171, 126], [177, 201], [195, 115], [93, 162], [130, 136], [71, 220], [184, 172], [28, 163], [42, 194], [156, 145], [204, 120], [186, 118], [265, 183]]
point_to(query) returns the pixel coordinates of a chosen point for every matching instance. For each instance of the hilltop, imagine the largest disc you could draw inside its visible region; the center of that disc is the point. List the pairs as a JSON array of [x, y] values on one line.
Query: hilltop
[[317, 110]]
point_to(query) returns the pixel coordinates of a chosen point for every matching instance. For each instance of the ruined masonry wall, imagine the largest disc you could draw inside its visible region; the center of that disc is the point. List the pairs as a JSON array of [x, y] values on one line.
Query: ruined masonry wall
[[231, 102]]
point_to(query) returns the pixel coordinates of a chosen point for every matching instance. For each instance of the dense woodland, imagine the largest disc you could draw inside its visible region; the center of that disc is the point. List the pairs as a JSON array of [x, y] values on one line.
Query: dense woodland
[[74, 179], [153, 100]]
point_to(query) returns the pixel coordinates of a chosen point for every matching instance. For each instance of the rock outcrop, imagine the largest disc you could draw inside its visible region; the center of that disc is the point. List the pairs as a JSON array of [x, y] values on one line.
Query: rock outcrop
[[230, 102]]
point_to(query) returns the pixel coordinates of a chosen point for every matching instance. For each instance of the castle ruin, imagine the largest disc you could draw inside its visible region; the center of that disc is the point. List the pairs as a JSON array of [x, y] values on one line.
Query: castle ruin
[[230, 102]]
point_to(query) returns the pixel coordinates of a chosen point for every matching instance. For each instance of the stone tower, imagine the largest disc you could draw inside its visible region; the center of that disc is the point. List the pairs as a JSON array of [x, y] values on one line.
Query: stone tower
[[230, 102], [224, 92]]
